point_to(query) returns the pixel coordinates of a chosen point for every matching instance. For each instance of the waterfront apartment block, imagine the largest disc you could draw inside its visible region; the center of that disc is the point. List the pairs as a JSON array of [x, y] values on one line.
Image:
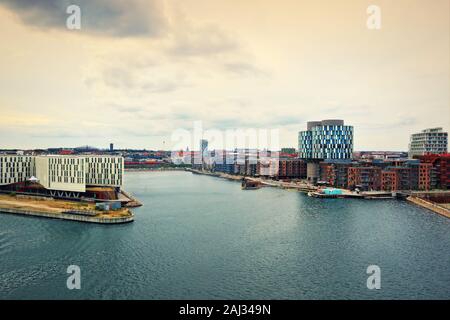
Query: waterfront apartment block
[[429, 141], [364, 178], [425, 173], [334, 173], [386, 175], [70, 173], [439, 170]]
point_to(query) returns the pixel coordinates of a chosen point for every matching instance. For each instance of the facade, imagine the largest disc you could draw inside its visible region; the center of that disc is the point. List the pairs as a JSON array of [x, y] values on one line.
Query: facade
[[104, 171], [63, 173], [424, 180], [291, 169], [364, 178], [429, 141], [389, 181], [15, 168], [327, 139], [439, 171], [334, 173]]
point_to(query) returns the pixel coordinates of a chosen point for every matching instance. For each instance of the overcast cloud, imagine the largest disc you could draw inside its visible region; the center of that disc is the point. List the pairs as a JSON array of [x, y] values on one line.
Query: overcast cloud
[[140, 69]]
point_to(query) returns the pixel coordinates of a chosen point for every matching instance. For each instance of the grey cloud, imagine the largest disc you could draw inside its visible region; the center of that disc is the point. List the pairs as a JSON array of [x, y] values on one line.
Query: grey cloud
[[201, 41], [162, 86], [244, 69], [119, 18], [129, 79], [239, 123], [401, 123], [118, 78]]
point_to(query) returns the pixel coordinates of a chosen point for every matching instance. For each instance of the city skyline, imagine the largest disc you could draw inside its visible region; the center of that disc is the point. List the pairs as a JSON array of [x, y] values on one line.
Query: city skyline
[[266, 65]]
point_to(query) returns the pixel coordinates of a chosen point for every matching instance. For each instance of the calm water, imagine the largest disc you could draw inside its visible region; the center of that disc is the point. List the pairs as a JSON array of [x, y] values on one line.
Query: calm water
[[199, 237]]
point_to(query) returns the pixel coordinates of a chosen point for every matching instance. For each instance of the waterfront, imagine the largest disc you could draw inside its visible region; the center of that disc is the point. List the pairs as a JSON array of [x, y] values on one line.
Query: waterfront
[[199, 237]]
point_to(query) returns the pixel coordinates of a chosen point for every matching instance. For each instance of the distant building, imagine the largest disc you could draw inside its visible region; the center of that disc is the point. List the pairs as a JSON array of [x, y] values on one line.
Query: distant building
[[111, 147], [203, 150], [380, 155], [326, 139], [288, 150], [203, 145], [429, 141]]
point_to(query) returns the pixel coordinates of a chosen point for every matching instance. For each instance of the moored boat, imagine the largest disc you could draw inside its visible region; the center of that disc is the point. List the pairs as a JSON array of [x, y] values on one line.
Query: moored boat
[[250, 184]]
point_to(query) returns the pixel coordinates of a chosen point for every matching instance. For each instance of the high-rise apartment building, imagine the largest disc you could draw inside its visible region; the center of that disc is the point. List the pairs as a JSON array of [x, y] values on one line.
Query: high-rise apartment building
[[324, 140], [429, 141], [327, 139]]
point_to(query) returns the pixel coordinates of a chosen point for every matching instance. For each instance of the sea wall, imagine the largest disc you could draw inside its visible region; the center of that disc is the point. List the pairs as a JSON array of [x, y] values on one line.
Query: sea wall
[[430, 206], [71, 217]]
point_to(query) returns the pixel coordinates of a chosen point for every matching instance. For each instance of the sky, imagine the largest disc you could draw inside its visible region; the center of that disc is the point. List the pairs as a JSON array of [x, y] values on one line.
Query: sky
[[139, 70]]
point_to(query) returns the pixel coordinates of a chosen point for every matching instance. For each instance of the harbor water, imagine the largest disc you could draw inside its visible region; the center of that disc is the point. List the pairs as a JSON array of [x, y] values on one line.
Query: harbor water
[[200, 237]]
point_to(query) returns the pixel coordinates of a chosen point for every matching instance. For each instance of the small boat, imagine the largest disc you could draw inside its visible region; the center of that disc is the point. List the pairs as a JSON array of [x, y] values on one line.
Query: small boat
[[250, 184]]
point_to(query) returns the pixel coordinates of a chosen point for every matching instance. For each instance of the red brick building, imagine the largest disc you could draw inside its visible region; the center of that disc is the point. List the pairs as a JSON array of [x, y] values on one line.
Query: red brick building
[[440, 169], [291, 168], [364, 178], [389, 181], [424, 182]]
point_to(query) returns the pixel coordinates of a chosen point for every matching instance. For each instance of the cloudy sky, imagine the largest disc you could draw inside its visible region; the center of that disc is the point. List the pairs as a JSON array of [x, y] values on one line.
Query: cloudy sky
[[139, 69]]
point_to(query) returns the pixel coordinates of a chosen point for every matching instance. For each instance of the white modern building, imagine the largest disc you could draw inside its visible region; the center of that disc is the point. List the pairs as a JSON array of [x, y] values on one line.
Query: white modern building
[[63, 173], [15, 168], [433, 140]]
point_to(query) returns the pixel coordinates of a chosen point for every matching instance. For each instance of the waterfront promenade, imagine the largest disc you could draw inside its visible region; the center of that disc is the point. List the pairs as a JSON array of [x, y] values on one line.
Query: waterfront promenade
[[416, 197]]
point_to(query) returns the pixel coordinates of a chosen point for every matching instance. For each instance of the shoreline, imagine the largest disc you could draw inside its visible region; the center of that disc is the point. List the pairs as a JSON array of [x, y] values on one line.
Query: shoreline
[[69, 217], [151, 169], [62, 209], [430, 206], [304, 188]]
